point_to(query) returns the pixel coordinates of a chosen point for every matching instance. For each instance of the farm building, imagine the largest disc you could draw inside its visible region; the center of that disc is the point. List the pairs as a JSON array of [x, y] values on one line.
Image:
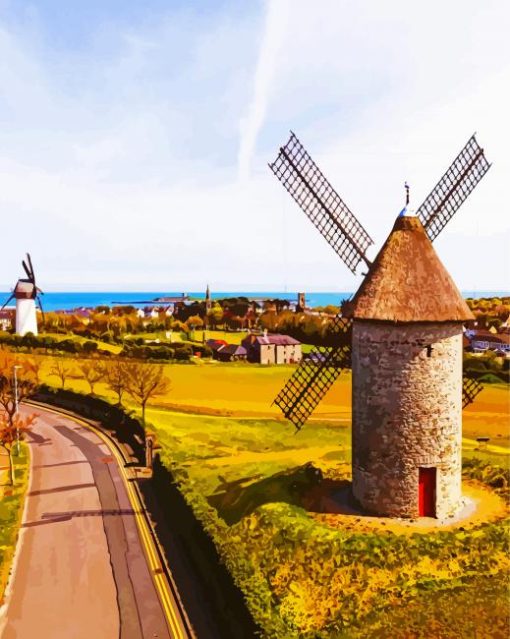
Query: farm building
[[215, 345], [481, 341], [230, 353], [272, 349]]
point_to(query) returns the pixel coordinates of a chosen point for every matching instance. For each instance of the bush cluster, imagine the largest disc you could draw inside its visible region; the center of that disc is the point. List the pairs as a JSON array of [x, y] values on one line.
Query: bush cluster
[[46, 342], [486, 368], [180, 351]]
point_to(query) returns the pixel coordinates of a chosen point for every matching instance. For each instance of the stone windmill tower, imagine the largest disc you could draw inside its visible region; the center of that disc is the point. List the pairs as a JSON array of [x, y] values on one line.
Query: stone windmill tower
[[402, 333], [407, 380], [26, 293]]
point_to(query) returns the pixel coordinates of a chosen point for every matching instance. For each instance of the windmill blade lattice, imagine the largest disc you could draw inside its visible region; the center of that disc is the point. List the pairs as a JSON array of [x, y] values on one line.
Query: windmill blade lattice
[[453, 188], [321, 203], [470, 389], [315, 375]]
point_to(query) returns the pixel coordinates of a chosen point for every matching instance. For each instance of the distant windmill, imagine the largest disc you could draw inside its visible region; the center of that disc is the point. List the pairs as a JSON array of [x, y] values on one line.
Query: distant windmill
[[26, 293], [402, 335]]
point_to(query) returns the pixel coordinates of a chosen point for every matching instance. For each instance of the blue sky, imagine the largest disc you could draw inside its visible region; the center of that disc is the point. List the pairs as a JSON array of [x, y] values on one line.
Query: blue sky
[[134, 137]]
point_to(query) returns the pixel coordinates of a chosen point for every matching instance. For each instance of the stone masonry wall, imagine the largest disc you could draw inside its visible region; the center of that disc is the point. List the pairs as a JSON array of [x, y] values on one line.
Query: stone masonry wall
[[407, 414]]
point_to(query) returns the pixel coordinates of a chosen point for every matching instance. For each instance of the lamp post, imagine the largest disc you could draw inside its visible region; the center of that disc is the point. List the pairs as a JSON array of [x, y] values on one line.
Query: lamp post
[[16, 404]]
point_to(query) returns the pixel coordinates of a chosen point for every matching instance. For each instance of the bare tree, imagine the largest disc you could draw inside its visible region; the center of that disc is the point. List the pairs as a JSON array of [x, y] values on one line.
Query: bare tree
[[145, 381], [17, 382], [13, 428], [116, 377], [93, 371], [61, 369], [34, 367]]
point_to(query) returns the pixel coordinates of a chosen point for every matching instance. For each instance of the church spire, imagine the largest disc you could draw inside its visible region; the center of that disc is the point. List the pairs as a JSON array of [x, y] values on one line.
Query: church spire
[[207, 298]]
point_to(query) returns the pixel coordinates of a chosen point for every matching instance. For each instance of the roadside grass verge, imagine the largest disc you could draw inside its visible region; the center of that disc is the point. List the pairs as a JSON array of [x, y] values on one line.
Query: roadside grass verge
[[11, 509]]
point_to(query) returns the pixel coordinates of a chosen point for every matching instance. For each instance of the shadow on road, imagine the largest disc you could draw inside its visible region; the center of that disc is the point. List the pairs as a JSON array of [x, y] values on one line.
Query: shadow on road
[[60, 489]]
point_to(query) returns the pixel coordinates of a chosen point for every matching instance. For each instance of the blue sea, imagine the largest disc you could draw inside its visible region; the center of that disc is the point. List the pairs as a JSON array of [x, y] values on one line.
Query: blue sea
[[72, 300]]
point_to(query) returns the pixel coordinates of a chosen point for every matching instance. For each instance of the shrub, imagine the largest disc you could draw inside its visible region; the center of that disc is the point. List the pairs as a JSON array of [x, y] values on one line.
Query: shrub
[[70, 346], [490, 378], [90, 347]]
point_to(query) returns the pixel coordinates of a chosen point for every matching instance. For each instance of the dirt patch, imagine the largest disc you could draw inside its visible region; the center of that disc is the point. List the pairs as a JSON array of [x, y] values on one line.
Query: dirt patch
[[330, 503]]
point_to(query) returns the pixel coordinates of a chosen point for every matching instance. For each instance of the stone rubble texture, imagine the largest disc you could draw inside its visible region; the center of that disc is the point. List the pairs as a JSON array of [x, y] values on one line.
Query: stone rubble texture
[[407, 414]]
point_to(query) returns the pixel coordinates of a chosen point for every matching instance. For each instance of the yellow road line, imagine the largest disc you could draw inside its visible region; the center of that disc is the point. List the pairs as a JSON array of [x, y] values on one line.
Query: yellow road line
[[143, 529]]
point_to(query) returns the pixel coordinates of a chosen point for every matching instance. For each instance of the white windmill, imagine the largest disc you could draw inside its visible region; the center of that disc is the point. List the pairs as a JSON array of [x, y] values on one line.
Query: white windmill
[[26, 293]]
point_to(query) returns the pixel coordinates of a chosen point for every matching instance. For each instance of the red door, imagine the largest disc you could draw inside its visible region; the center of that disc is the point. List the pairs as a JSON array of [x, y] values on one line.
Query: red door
[[427, 492]]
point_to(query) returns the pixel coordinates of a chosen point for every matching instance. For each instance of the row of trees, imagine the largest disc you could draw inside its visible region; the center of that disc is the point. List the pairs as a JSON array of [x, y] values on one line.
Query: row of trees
[[141, 381], [307, 328], [133, 347], [490, 311]]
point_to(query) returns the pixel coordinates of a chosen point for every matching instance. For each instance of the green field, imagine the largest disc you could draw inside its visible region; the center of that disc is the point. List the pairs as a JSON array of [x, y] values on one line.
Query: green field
[[305, 573], [248, 390], [310, 575]]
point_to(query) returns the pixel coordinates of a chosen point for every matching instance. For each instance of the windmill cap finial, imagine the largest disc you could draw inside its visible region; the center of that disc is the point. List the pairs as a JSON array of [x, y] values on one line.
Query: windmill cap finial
[[406, 211]]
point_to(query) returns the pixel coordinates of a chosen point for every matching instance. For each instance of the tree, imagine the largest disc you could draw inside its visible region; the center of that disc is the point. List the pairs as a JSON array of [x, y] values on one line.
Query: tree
[[61, 369], [215, 315], [17, 382], [34, 368], [194, 321], [145, 381], [116, 377], [13, 386], [13, 428], [92, 371]]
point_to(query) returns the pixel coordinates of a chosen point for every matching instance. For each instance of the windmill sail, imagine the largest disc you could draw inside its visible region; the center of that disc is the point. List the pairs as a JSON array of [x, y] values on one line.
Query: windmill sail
[[470, 389], [321, 203], [311, 381], [29, 273], [315, 375], [11, 297], [453, 188]]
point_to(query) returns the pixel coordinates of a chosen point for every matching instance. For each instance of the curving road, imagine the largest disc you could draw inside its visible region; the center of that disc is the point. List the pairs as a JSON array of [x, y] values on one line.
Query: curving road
[[82, 567]]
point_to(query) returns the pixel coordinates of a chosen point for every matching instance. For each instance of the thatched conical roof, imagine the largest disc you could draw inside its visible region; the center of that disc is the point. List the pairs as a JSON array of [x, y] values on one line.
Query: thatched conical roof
[[407, 282]]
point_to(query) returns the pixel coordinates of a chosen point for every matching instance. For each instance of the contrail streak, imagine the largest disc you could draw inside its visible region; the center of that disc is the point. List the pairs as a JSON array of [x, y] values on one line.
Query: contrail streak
[[277, 12]]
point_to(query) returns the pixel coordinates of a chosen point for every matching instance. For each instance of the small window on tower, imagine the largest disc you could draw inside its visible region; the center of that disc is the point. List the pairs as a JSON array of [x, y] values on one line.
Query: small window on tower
[[429, 351]]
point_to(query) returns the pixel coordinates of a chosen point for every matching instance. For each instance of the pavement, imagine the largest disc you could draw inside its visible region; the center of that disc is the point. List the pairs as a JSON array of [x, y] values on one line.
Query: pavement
[[82, 569]]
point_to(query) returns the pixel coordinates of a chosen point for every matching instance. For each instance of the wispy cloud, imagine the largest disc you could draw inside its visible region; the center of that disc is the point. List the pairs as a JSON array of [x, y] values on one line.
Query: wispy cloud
[[120, 158], [277, 14]]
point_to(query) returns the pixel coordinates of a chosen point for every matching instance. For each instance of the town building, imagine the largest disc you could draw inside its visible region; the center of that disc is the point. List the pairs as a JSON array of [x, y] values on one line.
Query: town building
[[272, 349], [481, 341], [6, 319]]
